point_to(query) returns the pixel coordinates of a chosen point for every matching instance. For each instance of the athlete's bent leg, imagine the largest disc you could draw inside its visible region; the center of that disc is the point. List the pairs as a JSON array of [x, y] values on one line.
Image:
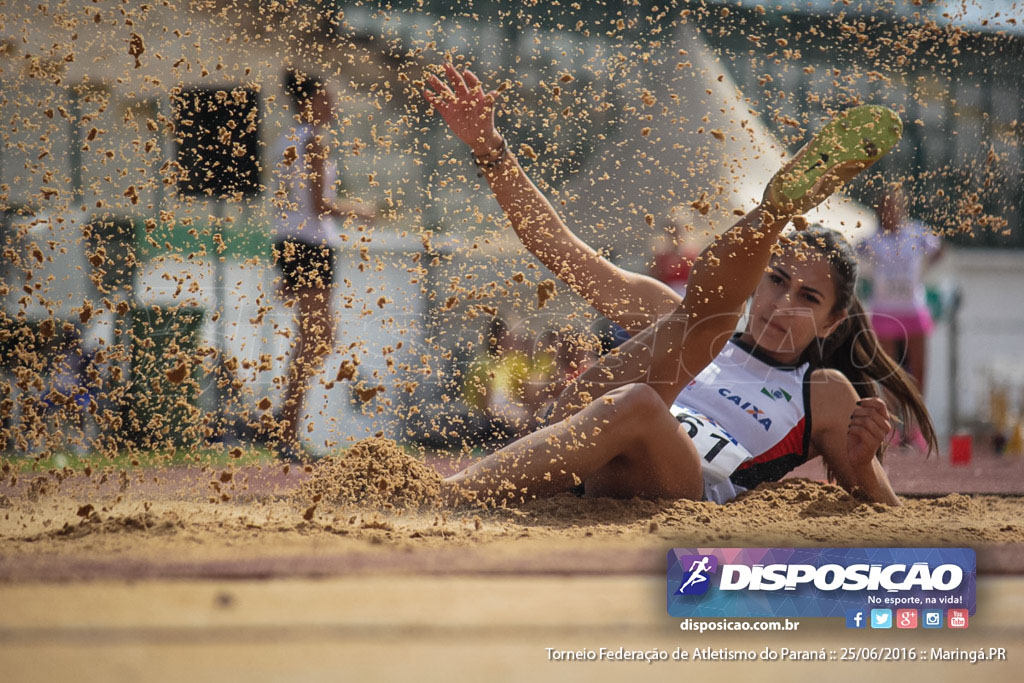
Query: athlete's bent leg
[[630, 426], [676, 348], [672, 351]]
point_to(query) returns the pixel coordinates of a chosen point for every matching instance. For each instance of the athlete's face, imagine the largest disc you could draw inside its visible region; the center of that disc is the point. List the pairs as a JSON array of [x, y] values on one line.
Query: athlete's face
[[793, 305]]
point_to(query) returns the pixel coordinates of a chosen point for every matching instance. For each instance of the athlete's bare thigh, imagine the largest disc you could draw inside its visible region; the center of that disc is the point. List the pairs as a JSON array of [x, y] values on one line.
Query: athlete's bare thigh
[[667, 466]]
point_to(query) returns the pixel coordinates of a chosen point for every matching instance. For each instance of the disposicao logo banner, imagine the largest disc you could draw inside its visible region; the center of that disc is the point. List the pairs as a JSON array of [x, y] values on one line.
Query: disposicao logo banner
[[817, 582]]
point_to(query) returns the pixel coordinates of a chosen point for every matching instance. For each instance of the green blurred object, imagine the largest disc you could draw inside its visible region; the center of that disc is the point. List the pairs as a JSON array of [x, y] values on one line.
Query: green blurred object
[[865, 288], [239, 243], [933, 297], [160, 407]]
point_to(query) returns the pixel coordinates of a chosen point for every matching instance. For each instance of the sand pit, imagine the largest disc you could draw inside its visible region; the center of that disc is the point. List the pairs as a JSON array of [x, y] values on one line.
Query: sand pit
[[375, 507], [152, 576]]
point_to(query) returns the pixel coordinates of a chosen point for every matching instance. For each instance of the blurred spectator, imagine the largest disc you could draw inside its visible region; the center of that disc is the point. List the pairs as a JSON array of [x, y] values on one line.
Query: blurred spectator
[[675, 250], [304, 248], [69, 392], [572, 354], [508, 383], [897, 256]]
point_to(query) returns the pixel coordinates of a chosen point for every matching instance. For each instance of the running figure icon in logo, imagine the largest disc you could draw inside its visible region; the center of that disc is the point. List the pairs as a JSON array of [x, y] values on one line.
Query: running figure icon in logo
[[697, 582]]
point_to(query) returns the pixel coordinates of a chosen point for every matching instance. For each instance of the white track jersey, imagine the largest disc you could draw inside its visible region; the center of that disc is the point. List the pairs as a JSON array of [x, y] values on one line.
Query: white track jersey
[[897, 261], [749, 417], [298, 218]]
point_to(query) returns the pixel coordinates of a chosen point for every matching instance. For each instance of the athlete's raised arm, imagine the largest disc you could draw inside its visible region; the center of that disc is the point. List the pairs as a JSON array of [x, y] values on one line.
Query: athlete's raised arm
[[629, 299]]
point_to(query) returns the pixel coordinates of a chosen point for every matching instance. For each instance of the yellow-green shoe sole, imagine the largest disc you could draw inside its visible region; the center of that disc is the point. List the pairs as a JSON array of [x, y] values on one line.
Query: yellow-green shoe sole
[[861, 135]]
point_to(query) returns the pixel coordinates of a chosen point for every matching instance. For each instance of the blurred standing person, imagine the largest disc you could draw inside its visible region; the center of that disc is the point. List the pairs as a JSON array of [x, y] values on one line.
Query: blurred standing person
[[564, 356], [486, 386], [303, 250], [501, 386], [898, 256], [674, 254]]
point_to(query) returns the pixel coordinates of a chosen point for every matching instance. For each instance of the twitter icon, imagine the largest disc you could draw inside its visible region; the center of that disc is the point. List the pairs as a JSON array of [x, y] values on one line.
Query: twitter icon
[[881, 618]]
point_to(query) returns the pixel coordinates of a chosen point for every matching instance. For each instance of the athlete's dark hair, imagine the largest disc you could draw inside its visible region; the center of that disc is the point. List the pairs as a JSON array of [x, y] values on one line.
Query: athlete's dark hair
[[853, 347], [302, 87]]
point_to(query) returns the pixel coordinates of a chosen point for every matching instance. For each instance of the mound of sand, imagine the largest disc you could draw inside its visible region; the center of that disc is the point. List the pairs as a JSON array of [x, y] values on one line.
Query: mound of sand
[[374, 473]]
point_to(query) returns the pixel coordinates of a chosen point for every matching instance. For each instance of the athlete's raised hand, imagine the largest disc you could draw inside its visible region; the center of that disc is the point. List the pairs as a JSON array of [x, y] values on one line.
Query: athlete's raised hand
[[467, 110], [869, 426]]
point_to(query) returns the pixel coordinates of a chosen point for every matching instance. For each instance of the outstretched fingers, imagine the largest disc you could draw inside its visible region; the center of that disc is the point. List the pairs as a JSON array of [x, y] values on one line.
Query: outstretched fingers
[[441, 87], [472, 82], [441, 93], [431, 98], [455, 78]]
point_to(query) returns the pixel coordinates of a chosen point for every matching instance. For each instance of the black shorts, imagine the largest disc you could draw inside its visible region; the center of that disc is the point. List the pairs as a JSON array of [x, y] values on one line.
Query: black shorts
[[304, 264]]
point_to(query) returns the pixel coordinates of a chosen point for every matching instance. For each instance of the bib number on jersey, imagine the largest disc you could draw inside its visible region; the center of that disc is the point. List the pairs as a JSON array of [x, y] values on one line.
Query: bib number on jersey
[[720, 453]]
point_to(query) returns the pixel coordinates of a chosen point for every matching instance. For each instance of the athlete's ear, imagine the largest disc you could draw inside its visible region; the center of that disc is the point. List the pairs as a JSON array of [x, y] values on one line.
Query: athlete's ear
[[837, 321]]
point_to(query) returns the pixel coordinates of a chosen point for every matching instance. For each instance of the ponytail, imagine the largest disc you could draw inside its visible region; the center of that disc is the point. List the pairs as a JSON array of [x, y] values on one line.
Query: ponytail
[[853, 347]]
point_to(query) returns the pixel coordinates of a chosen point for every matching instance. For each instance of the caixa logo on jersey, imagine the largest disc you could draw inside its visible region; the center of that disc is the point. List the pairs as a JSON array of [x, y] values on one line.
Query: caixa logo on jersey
[[816, 582]]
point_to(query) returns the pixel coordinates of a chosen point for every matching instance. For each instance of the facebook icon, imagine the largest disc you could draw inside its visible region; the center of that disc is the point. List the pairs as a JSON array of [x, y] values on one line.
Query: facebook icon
[[855, 618]]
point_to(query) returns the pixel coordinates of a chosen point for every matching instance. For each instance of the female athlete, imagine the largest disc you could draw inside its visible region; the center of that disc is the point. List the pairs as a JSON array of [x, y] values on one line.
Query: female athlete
[[686, 408]]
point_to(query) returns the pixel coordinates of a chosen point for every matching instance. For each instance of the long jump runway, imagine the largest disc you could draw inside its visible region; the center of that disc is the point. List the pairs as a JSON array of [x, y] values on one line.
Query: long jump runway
[[435, 628]]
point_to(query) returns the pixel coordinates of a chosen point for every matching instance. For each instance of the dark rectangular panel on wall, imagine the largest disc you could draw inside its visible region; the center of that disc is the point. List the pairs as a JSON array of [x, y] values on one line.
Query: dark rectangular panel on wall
[[217, 131]]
